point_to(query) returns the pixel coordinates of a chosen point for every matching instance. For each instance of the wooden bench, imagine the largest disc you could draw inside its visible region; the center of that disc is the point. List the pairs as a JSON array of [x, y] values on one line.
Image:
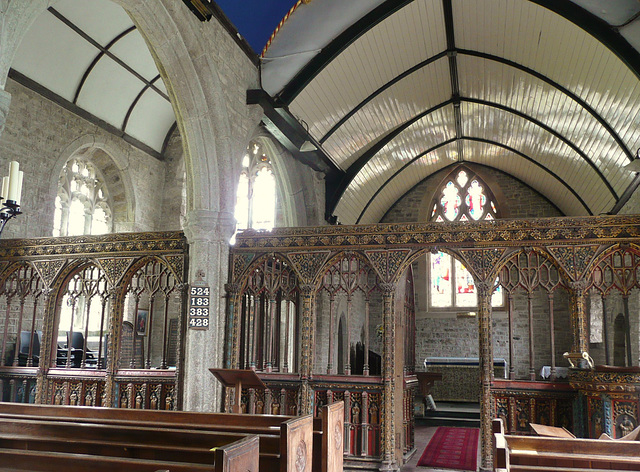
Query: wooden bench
[[174, 447], [537, 454], [327, 430]]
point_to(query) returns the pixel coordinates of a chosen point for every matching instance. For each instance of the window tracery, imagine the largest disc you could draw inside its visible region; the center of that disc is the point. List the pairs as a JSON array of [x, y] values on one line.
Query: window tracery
[[81, 206], [256, 197], [463, 197]]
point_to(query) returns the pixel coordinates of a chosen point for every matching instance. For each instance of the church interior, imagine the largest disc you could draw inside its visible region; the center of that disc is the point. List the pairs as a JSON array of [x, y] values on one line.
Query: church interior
[[394, 205]]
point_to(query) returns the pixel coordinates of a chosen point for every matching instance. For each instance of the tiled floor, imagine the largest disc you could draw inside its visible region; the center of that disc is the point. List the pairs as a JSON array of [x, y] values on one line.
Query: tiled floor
[[422, 436]]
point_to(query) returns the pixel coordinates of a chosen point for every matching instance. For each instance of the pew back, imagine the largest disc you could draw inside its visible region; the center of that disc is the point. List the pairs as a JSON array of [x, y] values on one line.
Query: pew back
[[529, 453]]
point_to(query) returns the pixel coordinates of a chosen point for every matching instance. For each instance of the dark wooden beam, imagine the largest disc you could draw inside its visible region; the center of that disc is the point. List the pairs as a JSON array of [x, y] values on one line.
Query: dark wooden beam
[[626, 195], [82, 113], [291, 133]]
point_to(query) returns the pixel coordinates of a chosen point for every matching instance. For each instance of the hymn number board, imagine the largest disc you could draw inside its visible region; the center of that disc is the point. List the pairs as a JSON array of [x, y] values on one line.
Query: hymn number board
[[199, 296]]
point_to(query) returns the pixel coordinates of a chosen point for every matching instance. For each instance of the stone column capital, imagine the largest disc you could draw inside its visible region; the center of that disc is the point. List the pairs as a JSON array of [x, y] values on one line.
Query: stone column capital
[[209, 226]]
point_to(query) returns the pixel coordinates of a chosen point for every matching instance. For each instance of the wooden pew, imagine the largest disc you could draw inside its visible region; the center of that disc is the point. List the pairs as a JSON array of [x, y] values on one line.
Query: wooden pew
[[326, 459], [239, 456], [195, 430], [194, 447], [536, 454], [328, 438]]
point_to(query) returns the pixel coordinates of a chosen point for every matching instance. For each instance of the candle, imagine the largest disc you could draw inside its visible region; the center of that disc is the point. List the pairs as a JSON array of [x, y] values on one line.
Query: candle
[[13, 180], [5, 187], [20, 177]]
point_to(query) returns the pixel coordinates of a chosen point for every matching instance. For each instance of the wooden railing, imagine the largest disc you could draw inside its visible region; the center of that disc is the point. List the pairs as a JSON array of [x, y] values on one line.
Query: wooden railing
[[519, 403], [120, 295], [362, 396]]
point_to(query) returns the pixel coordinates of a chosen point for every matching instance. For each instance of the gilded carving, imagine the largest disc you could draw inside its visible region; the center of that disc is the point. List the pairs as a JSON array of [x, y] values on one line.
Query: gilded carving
[[115, 268], [240, 264], [387, 263], [49, 269], [307, 264]]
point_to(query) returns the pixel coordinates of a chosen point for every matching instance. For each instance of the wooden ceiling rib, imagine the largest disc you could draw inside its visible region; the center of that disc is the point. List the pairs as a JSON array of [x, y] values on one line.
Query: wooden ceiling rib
[[522, 79]]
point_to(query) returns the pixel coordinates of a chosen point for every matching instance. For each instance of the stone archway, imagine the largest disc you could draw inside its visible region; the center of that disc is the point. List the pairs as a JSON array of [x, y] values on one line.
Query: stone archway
[[109, 163], [205, 88]]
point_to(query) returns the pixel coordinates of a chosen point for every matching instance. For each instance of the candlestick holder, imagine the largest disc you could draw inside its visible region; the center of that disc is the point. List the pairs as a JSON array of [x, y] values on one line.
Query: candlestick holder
[[9, 210]]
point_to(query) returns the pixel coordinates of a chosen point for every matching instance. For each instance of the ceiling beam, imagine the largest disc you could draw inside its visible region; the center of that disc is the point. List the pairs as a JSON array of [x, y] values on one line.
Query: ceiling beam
[[377, 92], [135, 102], [450, 34], [339, 187], [96, 59], [335, 47], [550, 130], [556, 85], [482, 140], [598, 28], [81, 112], [291, 133], [489, 57], [626, 195], [105, 51]]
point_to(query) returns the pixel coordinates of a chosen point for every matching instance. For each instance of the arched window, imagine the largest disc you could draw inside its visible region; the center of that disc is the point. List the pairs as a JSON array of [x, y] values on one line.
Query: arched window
[[256, 197], [81, 206], [462, 197]]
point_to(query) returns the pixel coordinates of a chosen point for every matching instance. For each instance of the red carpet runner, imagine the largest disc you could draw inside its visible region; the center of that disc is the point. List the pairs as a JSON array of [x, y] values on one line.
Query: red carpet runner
[[452, 448]]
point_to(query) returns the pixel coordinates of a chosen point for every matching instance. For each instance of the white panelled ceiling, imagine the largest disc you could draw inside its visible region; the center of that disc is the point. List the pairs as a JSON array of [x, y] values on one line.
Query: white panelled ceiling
[[89, 55], [547, 91]]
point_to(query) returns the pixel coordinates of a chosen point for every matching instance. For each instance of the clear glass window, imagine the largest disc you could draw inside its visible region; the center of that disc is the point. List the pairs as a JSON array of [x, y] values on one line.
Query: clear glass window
[[256, 197], [81, 206]]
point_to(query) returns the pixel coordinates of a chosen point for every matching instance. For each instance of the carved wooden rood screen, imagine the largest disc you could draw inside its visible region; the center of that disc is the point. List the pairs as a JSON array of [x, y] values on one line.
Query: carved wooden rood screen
[[93, 320], [311, 309]]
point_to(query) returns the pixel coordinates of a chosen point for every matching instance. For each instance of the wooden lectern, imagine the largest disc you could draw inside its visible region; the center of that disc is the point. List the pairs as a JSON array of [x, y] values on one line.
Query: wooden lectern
[[237, 378]]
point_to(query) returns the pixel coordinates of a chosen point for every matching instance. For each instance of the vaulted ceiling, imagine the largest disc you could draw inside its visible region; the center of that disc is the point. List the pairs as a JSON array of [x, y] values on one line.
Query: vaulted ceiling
[[90, 58], [394, 91]]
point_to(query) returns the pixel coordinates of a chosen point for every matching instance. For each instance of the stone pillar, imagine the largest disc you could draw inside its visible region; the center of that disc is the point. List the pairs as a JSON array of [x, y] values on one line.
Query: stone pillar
[[208, 234], [485, 344], [389, 461], [307, 346], [5, 101]]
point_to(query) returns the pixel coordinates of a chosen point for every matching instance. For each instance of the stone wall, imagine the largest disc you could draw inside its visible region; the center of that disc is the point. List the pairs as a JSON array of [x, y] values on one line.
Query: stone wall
[[42, 136], [515, 199]]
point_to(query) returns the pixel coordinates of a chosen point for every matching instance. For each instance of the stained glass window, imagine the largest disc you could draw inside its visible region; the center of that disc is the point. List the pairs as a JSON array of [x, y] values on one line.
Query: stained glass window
[[464, 197], [256, 197], [450, 201], [440, 279]]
